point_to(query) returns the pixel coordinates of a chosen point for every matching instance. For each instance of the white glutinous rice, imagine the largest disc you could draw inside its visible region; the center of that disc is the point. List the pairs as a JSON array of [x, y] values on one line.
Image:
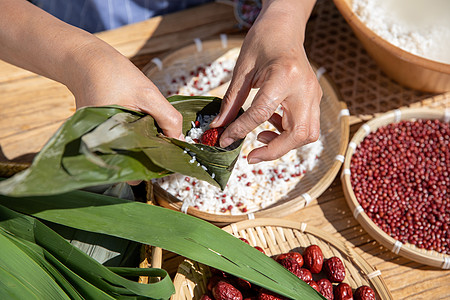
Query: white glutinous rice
[[421, 27], [250, 187]]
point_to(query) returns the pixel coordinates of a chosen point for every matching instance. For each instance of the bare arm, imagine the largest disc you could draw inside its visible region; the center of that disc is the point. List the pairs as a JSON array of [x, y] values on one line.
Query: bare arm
[[94, 71]]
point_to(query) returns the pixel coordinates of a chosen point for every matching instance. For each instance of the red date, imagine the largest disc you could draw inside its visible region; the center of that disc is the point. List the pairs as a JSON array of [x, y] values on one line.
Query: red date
[[364, 293], [343, 292], [314, 285], [291, 264], [313, 258], [326, 288], [295, 255], [225, 291], [305, 275], [334, 268]]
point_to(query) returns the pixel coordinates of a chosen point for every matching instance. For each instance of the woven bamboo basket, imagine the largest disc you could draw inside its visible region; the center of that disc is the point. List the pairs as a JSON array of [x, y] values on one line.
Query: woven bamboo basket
[[277, 236], [428, 257], [334, 130]]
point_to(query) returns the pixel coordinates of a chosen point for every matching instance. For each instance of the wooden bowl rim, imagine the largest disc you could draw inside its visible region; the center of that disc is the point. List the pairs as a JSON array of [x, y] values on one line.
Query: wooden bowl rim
[[352, 18]]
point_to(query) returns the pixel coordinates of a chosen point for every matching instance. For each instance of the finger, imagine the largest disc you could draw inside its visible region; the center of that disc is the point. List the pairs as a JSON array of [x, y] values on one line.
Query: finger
[[266, 101], [166, 116], [266, 136], [235, 96]]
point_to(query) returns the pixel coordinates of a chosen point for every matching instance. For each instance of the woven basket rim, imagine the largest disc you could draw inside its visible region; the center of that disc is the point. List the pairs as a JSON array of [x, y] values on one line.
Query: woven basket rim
[[377, 281], [167, 200], [407, 250]]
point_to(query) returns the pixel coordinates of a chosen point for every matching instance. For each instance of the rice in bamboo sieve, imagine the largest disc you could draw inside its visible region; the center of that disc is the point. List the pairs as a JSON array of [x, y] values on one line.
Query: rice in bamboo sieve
[[428, 257], [277, 236], [334, 132]]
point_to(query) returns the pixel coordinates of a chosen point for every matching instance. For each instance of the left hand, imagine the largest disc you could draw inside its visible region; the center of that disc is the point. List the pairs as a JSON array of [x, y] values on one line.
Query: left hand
[[273, 59]]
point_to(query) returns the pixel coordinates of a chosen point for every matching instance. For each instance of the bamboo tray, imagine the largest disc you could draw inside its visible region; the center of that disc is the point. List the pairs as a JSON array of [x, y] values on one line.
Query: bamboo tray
[[428, 257], [334, 130], [279, 236]]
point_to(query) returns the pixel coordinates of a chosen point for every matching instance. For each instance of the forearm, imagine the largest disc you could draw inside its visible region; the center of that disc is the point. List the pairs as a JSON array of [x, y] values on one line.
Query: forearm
[[34, 40], [292, 14]]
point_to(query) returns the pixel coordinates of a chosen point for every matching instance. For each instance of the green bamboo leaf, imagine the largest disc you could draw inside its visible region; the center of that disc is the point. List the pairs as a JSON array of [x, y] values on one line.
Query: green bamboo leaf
[[103, 145], [69, 271], [174, 231]]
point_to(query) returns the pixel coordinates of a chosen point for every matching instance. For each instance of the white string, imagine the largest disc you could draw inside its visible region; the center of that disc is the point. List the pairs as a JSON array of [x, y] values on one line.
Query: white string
[[397, 115], [357, 211], [184, 207], [374, 274], [344, 112], [340, 158], [446, 264], [366, 129], [307, 198], [397, 246], [158, 63], [352, 145], [250, 216], [303, 227], [345, 172], [447, 115], [198, 44], [320, 72], [234, 228], [224, 40]]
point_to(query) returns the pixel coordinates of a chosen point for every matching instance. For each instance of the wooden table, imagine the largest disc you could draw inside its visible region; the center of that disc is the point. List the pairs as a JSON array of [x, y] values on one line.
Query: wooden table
[[33, 107]]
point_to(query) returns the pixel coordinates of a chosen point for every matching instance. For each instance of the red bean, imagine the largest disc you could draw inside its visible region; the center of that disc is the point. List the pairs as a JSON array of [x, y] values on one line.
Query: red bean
[[400, 176]]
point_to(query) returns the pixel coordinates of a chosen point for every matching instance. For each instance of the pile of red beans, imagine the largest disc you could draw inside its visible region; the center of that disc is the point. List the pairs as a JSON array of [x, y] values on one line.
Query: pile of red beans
[[400, 175]]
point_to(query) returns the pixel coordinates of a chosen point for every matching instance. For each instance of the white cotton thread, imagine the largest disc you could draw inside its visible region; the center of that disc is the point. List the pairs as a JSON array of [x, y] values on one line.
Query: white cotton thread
[[374, 274], [303, 227], [447, 115], [346, 172], [352, 145], [251, 216], [359, 209], [184, 207], [320, 71], [367, 129], [158, 63], [307, 198], [446, 264], [224, 40], [397, 115], [344, 112], [397, 246], [198, 44], [340, 158]]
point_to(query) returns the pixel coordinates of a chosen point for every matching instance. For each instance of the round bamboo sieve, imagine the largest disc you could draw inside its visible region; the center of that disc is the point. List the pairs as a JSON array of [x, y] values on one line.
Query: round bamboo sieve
[[334, 121], [431, 258], [277, 236]]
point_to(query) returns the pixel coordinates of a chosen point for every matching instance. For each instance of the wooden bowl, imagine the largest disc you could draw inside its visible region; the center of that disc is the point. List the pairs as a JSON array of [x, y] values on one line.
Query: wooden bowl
[[334, 121], [277, 236], [404, 67], [427, 257]]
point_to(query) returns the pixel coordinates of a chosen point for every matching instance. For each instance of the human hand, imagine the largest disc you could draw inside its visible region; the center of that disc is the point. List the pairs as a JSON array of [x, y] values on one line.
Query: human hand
[[110, 78], [273, 59]]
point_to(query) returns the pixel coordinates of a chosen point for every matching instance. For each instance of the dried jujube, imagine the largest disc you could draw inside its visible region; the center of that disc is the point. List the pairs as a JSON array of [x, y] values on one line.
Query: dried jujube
[[343, 292], [334, 269], [364, 293], [225, 291], [313, 258], [326, 288]]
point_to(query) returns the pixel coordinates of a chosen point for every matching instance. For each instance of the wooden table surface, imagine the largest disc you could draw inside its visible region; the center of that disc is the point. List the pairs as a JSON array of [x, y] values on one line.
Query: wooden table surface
[[33, 107]]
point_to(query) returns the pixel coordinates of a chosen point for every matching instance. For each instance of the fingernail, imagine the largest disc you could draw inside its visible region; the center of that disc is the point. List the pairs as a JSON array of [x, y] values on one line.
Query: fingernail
[[227, 142], [214, 122], [254, 160]]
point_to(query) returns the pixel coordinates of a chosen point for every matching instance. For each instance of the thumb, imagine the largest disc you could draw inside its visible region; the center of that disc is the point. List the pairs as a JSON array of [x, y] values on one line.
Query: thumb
[[234, 98]]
